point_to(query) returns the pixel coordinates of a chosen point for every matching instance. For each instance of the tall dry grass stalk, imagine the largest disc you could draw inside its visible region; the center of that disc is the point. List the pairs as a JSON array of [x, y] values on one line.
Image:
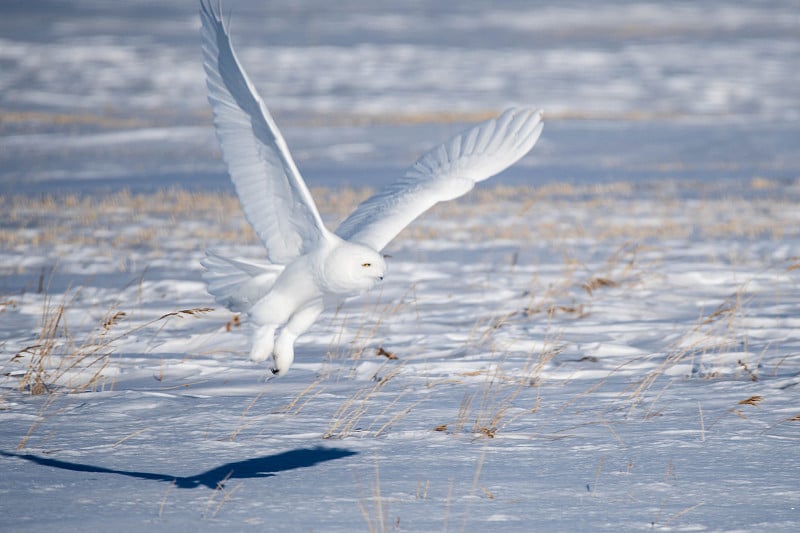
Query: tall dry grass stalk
[[220, 496], [715, 332], [58, 360], [496, 404], [501, 392], [373, 508], [58, 363], [352, 411]]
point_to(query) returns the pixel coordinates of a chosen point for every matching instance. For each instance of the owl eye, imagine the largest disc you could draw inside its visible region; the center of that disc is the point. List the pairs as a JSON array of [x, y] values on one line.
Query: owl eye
[[366, 265]]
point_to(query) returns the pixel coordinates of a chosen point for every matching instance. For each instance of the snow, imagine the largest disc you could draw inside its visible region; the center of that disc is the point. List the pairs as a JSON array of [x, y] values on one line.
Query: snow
[[604, 338]]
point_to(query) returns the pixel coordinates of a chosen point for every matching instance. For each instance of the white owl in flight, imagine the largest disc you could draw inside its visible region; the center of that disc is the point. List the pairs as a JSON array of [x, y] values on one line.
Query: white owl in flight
[[311, 268]]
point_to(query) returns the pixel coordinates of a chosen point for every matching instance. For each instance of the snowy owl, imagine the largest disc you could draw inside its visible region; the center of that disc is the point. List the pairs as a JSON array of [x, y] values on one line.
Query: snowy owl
[[309, 267]]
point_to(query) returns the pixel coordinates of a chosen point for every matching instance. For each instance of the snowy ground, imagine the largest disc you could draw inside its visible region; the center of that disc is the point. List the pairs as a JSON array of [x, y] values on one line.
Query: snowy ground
[[605, 338]]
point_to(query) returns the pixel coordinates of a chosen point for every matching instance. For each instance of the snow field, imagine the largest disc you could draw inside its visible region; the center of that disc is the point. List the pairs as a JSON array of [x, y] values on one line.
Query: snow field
[[601, 357]]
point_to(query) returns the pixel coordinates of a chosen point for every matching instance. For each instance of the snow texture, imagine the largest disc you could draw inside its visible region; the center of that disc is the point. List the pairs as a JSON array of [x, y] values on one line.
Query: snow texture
[[603, 338]]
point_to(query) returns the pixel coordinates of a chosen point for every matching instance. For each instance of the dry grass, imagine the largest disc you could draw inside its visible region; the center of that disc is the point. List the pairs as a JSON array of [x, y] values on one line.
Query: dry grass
[[42, 118], [502, 391], [552, 213], [311, 391], [580, 223], [57, 360], [373, 507], [715, 332], [345, 421], [574, 220], [219, 497], [60, 362]]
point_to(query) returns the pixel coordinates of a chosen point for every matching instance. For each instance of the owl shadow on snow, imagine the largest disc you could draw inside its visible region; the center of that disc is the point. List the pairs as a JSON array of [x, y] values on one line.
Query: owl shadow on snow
[[256, 467]]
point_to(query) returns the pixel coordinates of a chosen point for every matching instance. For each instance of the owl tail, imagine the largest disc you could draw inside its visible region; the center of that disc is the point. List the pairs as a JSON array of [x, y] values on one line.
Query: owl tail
[[237, 284]]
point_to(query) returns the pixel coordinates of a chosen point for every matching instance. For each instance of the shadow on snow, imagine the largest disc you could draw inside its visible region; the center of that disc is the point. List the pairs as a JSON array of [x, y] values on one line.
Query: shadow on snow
[[257, 467]]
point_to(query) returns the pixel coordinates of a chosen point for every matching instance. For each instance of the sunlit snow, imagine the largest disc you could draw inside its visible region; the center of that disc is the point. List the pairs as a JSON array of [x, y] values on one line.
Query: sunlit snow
[[604, 338]]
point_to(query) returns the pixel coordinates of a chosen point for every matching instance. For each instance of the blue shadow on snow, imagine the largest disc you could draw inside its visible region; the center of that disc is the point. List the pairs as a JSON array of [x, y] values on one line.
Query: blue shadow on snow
[[257, 467]]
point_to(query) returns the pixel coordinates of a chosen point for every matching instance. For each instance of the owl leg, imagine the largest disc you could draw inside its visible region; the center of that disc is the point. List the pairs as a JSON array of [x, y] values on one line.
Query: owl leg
[[263, 342], [298, 324]]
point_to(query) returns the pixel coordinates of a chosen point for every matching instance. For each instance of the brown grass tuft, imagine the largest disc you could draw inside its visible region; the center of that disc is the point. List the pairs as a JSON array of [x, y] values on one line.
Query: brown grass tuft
[[382, 351], [752, 400], [57, 360]]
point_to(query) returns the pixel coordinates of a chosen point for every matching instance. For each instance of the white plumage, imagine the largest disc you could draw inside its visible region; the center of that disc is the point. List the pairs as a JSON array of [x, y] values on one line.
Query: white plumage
[[311, 268]]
